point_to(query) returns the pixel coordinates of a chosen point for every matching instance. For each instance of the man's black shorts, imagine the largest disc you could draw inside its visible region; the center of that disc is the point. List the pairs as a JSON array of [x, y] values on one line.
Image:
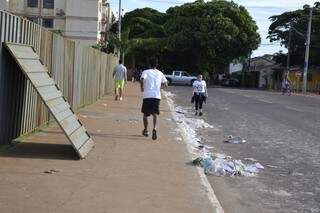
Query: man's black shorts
[[150, 106]]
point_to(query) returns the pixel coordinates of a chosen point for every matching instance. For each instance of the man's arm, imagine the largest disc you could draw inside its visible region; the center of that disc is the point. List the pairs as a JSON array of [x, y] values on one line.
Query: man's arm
[[125, 76], [164, 82], [114, 72], [206, 89], [164, 85], [141, 84]]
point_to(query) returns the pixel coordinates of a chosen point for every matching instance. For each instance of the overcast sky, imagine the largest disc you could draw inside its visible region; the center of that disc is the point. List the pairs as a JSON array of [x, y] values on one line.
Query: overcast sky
[[260, 10]]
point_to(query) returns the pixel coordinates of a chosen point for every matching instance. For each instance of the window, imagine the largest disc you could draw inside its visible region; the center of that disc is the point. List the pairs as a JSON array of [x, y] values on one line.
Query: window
[[48, 4], [185, 74], [33, 19], [47, 23], [176, 73], [32, 3]]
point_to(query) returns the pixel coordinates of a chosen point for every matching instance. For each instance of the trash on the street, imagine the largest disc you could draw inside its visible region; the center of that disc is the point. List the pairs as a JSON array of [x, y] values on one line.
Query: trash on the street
[[179, 112], [133, 120], [214, 164], [235, 140], [225, 166], [198, 123], [169, 94], [271, 166], [250, 159], [51, 171], [178, 138], [200, 146]]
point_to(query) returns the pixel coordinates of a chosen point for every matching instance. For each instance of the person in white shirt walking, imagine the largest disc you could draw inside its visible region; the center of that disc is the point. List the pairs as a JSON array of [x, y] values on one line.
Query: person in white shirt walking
[[200, 93], [120, 76], [151, 81]]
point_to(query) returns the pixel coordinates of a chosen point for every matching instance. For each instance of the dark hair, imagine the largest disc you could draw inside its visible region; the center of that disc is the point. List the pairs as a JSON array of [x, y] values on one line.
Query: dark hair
[[120, 61], [153, 62]]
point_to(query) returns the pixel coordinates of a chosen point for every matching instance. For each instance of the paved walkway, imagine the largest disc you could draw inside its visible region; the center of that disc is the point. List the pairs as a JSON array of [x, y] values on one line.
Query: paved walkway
[[124, 173]]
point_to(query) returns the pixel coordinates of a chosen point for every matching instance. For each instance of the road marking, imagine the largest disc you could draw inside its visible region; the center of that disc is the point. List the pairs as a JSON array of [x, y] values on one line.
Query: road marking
[[266, 101], [292, 108]]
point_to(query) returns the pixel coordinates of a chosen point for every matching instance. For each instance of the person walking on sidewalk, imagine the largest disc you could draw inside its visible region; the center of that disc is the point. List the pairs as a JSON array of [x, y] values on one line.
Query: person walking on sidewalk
[[200, 94], [120, 76], [151, 82]]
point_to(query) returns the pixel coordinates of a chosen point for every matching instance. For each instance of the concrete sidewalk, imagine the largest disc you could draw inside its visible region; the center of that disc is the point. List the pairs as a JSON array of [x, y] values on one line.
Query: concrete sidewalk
[[125, 172]]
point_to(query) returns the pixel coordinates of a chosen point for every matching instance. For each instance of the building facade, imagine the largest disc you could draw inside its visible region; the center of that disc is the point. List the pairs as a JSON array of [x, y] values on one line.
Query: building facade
[[80, 20], [265, 66], [105, 20]]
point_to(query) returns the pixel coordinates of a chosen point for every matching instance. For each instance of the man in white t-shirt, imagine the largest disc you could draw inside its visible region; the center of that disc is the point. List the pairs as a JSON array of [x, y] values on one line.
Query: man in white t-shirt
[[200, 93], [151, 82], [120, 76]]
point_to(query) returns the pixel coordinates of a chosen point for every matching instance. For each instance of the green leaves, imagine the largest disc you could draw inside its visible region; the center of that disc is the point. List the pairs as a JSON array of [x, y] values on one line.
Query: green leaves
[[298, 21], [209, 34]]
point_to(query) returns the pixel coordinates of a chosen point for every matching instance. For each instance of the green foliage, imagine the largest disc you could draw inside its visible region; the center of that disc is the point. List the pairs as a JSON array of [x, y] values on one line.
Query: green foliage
[[98, 46], [298, 19], [216, 32], [197, 37]]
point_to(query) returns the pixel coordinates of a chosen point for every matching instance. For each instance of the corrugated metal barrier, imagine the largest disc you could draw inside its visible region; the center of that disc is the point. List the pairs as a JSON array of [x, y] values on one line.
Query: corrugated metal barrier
[[83, 74]]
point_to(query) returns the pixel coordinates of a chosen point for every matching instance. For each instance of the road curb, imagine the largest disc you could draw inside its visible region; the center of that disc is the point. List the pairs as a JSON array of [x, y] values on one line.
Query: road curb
[[203, 178]]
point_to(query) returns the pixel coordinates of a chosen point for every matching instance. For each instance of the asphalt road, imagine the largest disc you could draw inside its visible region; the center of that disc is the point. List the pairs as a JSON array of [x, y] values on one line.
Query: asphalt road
[[282, 133]]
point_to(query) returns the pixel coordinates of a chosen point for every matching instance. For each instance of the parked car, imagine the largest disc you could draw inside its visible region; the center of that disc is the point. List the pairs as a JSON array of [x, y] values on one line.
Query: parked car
[[230, 82], [180, 77]]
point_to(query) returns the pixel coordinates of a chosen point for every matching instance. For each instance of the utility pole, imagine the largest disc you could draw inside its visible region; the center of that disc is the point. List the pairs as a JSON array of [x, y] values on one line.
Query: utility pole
[[289, 50], [306, 61], [119, 26], [107, 25]]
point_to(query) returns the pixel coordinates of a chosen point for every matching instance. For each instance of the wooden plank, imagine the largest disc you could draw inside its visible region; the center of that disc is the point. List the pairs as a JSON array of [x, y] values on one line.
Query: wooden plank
[[45, 86], [63, 115], [70, 124], [40, 79], [30, 65], [49, 92], [22, 51], [79, 137], [83, 151], [57, 105]]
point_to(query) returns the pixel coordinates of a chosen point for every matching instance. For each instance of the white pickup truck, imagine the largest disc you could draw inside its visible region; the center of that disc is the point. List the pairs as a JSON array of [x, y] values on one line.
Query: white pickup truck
[[180, 77]]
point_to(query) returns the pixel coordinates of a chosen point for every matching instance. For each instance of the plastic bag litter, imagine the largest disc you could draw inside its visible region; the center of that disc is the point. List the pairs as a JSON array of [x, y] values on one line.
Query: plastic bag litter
[[235, 140], [218, 166]]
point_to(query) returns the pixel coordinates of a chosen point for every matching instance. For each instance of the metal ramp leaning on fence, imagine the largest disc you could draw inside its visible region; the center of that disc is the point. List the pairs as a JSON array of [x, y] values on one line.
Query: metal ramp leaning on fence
[[37, 73]]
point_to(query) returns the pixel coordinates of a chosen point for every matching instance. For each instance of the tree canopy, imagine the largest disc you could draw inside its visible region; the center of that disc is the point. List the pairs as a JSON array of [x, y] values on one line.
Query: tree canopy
[[197, 37], [298, 22], [213, 33]]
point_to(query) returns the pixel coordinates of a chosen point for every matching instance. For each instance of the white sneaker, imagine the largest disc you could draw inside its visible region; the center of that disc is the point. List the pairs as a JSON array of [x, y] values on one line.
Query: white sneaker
[[120, 98]]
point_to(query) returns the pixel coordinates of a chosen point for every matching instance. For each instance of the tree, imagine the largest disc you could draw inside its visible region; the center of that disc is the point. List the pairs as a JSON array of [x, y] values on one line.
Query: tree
[[143, 35], [298, 21], [197, 37], [211, 33]]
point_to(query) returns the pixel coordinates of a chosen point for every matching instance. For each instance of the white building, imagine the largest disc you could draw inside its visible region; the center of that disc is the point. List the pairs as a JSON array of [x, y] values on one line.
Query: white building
[[235, 67], [79, 20], [265, 65], [105, 19]]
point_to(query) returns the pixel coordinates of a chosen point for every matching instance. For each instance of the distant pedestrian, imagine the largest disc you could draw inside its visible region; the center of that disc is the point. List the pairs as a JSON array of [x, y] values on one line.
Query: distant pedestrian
[[200, 94], [151, 81], [286, 85], [120, 76]]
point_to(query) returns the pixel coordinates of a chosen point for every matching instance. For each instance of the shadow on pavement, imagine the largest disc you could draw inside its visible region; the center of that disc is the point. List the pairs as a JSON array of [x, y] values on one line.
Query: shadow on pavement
[[126, 137], [40, 151]]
